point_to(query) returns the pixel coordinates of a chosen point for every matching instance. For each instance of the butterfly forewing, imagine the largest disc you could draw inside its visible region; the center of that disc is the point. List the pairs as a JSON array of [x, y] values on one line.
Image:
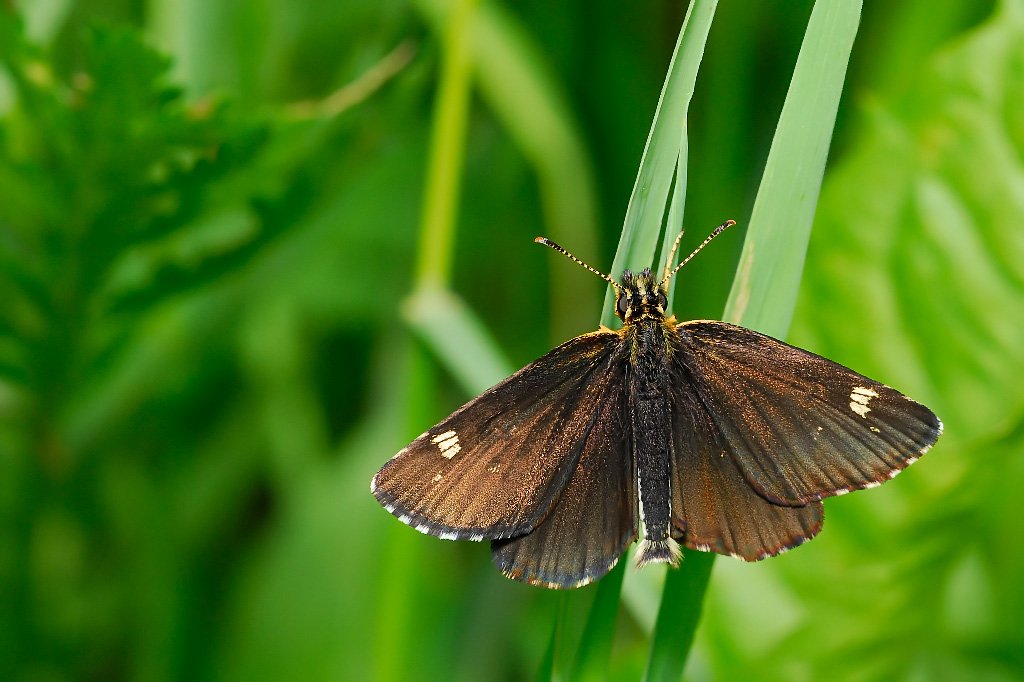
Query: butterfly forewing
[[799, 426], [713, 508], [595, 519], [495, 467]]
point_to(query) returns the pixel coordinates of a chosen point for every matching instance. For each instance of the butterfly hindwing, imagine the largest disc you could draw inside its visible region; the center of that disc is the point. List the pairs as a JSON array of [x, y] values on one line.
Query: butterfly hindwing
[[497, 465], [594, 520], [713, 508], [799, 426]]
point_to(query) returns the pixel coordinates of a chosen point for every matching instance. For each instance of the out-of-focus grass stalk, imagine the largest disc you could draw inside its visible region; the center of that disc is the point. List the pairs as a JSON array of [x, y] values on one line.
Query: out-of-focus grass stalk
[[535, 113], [516, 83], [768, 276], [447, 150], [435, 255]]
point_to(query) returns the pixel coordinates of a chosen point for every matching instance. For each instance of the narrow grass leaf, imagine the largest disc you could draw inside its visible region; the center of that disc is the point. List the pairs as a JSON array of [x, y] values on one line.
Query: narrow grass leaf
[[592, 657], [645, 214], [546, 670], [764, 291], [678, 616], [763, 295], [447, 149], [645, 217], [674, 223]]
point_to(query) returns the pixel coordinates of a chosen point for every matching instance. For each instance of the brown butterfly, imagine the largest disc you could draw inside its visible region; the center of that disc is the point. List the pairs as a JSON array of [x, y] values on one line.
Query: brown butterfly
[[714, 436]]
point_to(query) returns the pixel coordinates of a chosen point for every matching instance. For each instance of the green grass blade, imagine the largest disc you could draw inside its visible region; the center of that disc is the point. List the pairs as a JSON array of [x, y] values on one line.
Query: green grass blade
[[764, 293], [682, 601], [645, 217], [645, 214], [768, 277], [546, 670], [596, 643], [458, 339], [674, 222]]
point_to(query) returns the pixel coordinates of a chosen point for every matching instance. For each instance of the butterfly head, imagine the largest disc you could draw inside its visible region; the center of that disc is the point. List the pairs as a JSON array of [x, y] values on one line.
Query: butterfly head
[[640, 296]]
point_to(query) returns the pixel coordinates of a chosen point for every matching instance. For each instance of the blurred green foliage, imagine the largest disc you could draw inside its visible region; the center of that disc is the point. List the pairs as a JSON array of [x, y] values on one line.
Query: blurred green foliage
[[209, 217]]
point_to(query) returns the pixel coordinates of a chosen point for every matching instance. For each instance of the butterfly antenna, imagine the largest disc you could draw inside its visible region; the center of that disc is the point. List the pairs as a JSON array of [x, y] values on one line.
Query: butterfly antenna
[[718, 230], [672, 254], [547, 242]]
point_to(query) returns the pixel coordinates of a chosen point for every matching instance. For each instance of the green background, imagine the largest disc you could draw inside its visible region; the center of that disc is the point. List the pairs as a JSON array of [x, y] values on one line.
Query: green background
[[210, 222]]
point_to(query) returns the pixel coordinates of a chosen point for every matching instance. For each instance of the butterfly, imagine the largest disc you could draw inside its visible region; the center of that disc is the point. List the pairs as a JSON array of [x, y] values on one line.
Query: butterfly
[[709, 435]]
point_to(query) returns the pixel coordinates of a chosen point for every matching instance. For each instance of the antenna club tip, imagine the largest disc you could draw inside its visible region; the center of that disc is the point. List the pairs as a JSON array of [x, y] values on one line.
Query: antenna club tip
[[728, 223], [540, 240]]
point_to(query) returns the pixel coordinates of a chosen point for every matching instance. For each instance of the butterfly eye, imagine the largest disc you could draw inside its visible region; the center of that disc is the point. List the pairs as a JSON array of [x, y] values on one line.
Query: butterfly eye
[[623, 304], [662, 301]]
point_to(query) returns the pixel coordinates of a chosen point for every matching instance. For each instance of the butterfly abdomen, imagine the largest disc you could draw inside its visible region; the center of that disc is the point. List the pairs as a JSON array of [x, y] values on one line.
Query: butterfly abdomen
[[649, 402]]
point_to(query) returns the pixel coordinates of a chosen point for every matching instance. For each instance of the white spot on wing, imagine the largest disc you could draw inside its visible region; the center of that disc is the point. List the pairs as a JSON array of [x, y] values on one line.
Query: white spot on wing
[[859, 399], [860, 409], [444, 436], [447, 443], [436, 478]]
